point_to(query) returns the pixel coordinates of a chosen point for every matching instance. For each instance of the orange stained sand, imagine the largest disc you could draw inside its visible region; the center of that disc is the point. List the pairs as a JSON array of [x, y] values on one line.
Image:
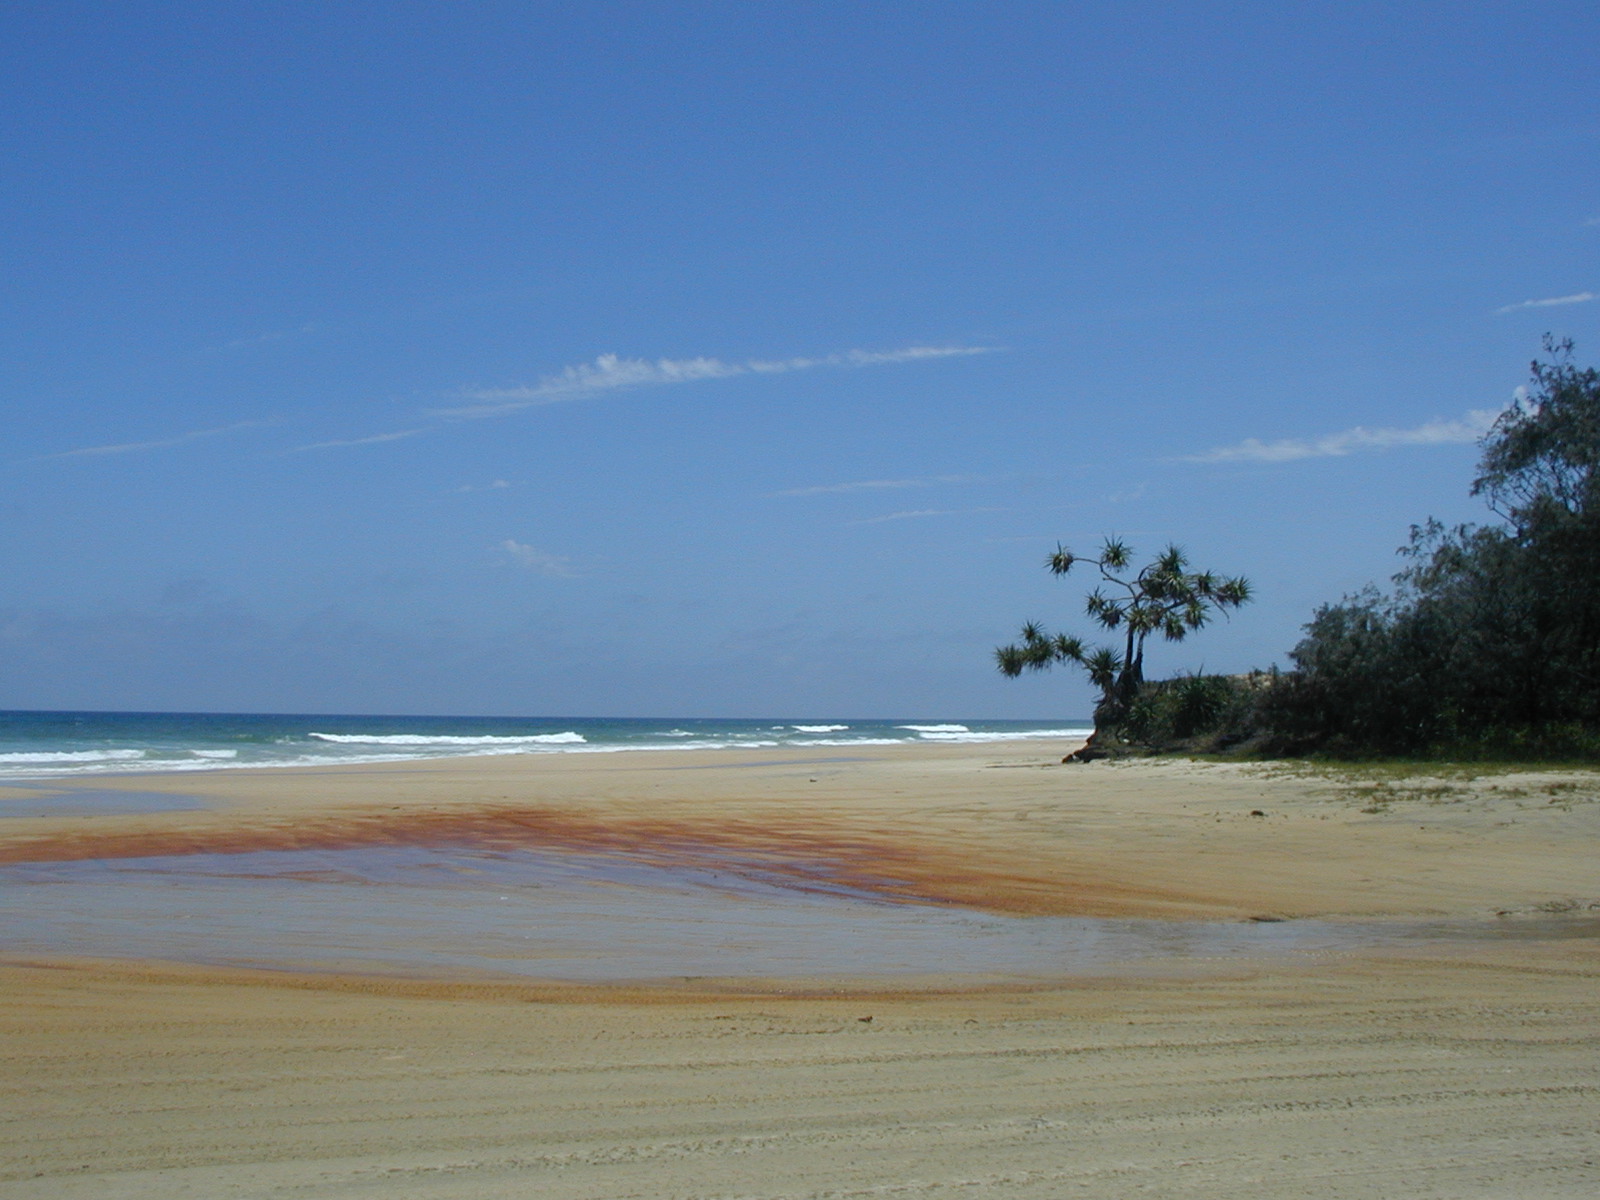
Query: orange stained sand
[[794, 850]]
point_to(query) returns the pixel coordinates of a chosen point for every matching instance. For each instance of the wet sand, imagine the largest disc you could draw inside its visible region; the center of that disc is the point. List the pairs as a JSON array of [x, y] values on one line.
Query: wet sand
[[1467, 1068]]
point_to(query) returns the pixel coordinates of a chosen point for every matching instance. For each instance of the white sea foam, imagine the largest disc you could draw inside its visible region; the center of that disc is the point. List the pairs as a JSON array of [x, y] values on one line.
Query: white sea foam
[[418, 739], [966, 735], [47, 757], [855, 741], [705, 744], [280, 744]]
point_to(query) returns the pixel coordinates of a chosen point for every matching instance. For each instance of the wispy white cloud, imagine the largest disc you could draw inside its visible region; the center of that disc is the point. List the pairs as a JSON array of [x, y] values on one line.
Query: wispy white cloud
[[610, 372], [493, 486], [371, 440], [533, 559], [915, 514], [905, 516], [874, 485], [1353, 441], [1552, 302], [181, 439], [864, 358]]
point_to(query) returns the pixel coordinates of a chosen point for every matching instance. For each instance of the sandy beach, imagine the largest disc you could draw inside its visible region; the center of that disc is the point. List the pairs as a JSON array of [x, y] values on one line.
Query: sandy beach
[[1461, 1065]]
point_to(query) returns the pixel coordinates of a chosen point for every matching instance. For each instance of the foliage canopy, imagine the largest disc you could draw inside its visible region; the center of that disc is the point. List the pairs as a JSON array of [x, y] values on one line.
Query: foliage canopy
[[1487, 645], [1491, 638], [1163, 597]]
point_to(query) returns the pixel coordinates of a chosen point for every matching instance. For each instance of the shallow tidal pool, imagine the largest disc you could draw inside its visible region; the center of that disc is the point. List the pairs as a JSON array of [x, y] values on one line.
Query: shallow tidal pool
[[461, 911]]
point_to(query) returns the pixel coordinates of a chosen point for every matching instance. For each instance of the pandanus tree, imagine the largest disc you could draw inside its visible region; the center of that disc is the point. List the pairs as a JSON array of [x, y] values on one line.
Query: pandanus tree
[[1165, 598]]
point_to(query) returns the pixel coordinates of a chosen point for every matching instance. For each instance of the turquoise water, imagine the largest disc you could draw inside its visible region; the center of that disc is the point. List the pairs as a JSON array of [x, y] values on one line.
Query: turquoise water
[[55, 745]]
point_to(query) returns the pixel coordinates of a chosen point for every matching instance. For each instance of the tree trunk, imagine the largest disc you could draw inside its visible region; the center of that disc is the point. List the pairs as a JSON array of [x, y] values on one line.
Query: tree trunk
[[1114, 705]]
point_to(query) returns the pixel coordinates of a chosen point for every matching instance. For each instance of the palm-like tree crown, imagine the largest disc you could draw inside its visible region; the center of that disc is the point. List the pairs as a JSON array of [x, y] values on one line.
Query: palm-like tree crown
[[1165, 597]]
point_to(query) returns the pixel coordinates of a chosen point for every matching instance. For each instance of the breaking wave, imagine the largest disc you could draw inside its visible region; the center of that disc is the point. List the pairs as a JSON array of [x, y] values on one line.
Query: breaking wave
[[63, 757], [568, 738]]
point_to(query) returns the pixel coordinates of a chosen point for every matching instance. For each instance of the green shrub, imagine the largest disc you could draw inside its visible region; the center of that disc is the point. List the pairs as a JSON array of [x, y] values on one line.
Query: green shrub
[[1193, 712], [1489, 646]]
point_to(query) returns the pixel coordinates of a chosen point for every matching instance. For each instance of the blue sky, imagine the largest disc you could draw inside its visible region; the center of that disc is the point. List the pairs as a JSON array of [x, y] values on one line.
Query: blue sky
[[744, 359]]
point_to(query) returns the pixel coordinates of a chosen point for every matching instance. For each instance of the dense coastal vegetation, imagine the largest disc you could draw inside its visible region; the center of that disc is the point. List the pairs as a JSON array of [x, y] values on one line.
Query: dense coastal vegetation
[[1487, 646]]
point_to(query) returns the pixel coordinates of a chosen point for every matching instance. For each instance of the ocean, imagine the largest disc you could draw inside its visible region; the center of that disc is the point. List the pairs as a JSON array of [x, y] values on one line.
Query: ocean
[[54, 745]]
